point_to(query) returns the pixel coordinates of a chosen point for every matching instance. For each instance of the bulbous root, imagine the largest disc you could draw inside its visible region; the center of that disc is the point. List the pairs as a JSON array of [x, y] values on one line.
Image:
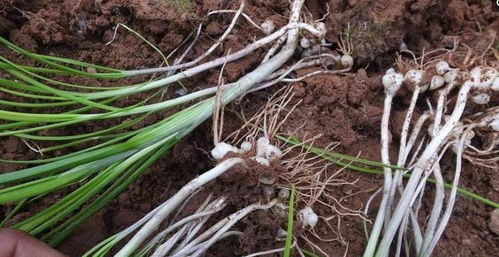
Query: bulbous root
[[446, 131]]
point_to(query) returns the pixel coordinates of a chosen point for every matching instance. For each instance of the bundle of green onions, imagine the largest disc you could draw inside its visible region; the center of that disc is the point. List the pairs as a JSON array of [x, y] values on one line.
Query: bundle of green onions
[[105, 169]]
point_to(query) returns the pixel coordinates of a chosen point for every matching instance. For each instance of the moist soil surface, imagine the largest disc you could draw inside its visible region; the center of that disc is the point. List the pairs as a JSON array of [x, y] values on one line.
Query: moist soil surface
[[341, 108]]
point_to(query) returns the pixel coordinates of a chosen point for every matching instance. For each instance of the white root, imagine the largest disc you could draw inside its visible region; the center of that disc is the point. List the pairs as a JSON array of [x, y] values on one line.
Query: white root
[[268, 252], [413, 77], [420, 166], [291, 28], [452, 198], [164, 248], [188, 227], [196, 247], [436, 209], [454, 131], [231, 220], [391, 81], [154, 222], [248, 18]]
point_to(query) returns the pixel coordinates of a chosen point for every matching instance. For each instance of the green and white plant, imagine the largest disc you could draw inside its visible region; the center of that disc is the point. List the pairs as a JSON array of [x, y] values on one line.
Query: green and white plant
[[119, 154], [401, 202]]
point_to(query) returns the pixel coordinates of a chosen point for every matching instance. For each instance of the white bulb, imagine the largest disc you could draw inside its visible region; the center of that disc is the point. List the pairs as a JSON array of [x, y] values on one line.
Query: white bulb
[[481, 98], [308, 217], [221, 149], [442, 67], [392, 81], [346, 61], [265, 150], [437, 82], [261, 160], [245, 147], [321, 27], [413, 76], [482, 77], [268, 26], [450, 76], [495, 125], [305, 42], [424, 87], [495, 84], [272, 152], [261, 146], [390, 71], [456, 77]]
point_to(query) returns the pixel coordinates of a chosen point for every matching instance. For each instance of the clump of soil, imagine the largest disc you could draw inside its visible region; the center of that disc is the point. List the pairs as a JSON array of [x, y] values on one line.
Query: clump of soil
[[342, 108]]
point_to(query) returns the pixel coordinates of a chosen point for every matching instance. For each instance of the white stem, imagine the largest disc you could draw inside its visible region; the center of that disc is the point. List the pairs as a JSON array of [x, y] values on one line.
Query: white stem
[[418, 236], [418, 239], [442, 95], [274, 48], [191, 246], [436, 210], [161, 235], [227, 234], [439, 185], [219, 41], [414, 135], [400, 237], [397, 177], [268, 252], [248, 18], [366, 209], [291, 28], [452, 199], [192, 232], [153, 224], [231, 220], [163, 249], [420, 166], [235, 56], [383, 210], [422, 183]]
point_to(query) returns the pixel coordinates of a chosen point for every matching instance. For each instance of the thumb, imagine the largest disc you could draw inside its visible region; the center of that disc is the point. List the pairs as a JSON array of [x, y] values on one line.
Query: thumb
[[15, 243]]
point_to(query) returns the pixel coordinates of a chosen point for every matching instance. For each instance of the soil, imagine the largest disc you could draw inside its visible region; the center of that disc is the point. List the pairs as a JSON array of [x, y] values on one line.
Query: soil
[[342, 108]]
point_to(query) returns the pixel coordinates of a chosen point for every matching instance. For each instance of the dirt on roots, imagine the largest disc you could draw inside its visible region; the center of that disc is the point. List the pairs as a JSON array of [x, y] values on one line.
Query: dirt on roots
[[342, 108]]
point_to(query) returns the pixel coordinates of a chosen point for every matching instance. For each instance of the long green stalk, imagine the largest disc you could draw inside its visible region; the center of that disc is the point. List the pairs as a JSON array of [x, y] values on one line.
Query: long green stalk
[[291, 216]]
